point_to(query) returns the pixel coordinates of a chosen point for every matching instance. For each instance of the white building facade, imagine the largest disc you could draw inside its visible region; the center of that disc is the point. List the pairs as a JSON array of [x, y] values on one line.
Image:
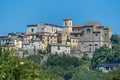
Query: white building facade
[[43, 27], [59, 49]]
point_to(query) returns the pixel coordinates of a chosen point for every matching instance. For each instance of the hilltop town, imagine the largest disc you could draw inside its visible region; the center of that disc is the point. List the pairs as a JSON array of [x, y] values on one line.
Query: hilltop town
[[67, 39], [70, 52]]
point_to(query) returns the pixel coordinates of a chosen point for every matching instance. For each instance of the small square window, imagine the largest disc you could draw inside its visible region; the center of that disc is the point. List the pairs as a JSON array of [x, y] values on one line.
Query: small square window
[[90, 44], [65, 23], [75, 35], [105, 34], [81, 34], [96, 44], [96, 34]]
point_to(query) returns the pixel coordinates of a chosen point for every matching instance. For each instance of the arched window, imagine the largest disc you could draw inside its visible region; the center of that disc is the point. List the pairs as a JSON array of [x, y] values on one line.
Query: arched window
[[88, 30]]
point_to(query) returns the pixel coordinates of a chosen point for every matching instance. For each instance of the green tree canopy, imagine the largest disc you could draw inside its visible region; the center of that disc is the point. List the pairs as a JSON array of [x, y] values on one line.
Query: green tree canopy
[[113, 75], [87, 75], [15, 68], [63, 61], [115, 39], [103, 54]]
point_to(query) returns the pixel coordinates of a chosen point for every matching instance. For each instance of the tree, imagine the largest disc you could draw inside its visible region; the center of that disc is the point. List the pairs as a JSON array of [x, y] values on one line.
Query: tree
[[0, 50], [63, 61], [63, 65], [15, 68], [87, 75], [115, 39], [86, 57], [113, 75], [34, 57], [103, 54], [42, 52]]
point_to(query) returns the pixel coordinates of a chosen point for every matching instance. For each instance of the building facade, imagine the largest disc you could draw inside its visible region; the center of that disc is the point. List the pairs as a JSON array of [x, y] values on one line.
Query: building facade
[[72, 39], [59, 49], [92, 35], [43, 27]]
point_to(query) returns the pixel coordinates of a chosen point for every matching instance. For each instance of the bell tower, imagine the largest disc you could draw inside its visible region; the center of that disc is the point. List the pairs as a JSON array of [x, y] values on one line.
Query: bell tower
[[67, 23]]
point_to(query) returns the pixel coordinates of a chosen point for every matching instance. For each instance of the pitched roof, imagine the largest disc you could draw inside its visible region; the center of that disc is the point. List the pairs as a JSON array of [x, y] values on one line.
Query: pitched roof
[[50, 24], [93, 23], [109, 64], [78, 26], [32, 25]]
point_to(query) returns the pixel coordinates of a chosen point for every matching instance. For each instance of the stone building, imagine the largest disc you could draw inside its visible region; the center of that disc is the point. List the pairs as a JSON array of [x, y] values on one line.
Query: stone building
[[92, 35], [83, 38]]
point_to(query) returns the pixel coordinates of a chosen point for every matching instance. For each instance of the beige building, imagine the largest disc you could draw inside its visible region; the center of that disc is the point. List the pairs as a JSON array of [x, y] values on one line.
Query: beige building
[[85, 38], [92, 35]]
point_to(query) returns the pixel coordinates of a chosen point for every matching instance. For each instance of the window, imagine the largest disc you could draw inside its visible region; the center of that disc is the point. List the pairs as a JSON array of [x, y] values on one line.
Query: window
[[65, 23], [90, 44], [43, 41], [32, 30], [9, 40], [105, 45], [78, 29], [107, 68], [96, 44], [96, 34], [75, 35], [42, 28], [105, 34], [81, 34], [58, 47], [88, 30]]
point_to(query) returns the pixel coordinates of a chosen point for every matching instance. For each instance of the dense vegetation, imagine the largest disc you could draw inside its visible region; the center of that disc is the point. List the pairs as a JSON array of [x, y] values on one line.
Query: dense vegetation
[[44, 66], [106, 54], [15, 68]]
